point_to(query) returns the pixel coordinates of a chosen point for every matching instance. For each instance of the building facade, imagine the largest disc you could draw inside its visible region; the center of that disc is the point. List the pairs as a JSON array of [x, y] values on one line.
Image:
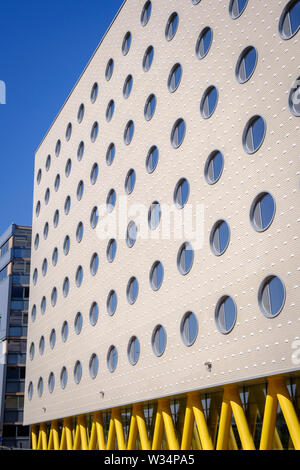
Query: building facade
[[164, 301], [15, 249]]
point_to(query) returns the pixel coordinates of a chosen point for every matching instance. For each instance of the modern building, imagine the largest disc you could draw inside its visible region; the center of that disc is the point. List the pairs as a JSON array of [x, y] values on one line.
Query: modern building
[[15, 249], [164, 301]]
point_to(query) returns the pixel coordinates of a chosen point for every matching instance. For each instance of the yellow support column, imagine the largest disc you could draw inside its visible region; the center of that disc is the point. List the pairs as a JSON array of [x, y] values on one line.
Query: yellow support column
[[83, 432], [133, 432], [240, 418], [158, 429], [53, 442], [269, 419], [93, 436], [205, 438], [119, 429], [42, 441], [141, 424], [68, 426], [169, 426], [188, 426], [225, 423], [111, 434], [100, 430], [76, 444], [34, 436]]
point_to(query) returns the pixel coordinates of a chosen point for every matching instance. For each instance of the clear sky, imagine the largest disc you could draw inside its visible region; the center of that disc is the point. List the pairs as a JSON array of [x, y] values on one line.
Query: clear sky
[[44, 47]]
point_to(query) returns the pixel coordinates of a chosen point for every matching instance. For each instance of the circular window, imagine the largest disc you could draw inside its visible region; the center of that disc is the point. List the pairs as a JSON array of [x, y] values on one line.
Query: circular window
[[31, 351], [94, 92], [43, 305], [172, 26], [94, 366], [133, 350], [132, 290], [112, 358], [94, 131], [52, 340], [110, 154], [178, 133], [63, 378], [79, 276], [214, 167], [146, 13], [148, 58], [66, 287], [65, 331], [40, 387], [159, 340], [127, 86], [36, 241], [54, 297], [254, 134], [219, 237], [57, 148], [204, 42], [189, 328], [94, 313], [30, 391], [94, 264], [69, 131], [44, 267], [55, 256], [39, 176], [51, 382], [246, 64], [130, 181], [68, 168], [48, 163], [262, 211], [111, 250], [111, 200], [129, 131], [185, 258], [236, 8], [111, 303], [294, 97], [33, 313], [175, 78], [47, 196], [80, 113], [46, 230], [126, 43], [94, 217], [79, 232], [80, 151], [67, 205], [35, 276], [271, 296], [56, 218], [56, 183], [225, 314], [181, 193], [154, 215], [110, 110], [78, 323], [209, 102], [289, 22], [131, 234], [80, 189], [42, 345], [150, 107], [66, 246], [152, 159], [77, 372], [156, 275], [94, 173], [109, 69]]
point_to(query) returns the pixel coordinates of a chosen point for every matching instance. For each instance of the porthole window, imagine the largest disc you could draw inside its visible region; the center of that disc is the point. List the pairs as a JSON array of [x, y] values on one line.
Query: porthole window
[[148, 58], [110, 110], [56, 218], [66, 245], [69, 131], [181, 193], [262, 211], [77, 372], [66, 287], [185, 258], [175, 78], [172, 26], [109, 69], [52, 340], [154, 215], [195, 2], [79, 276], [159, 340], [219, 237], [111, 303], [236, 8], [131, 234], [51, 382], [35, 276], [289, 22], [294, 97], [126, 43], [68, 168], [67, 205], [94, 217], [246, 64], [57, 148], [80, 113], [111, 200], [94, 264], [33, 313], [65, 331], [31, 351], [44, 267], [129, 132], [30, 391], [94, 173], [254, 134], [48, 163], [150, 107], [63, 378], [156, 275], [94, 366], [36, 241], [40, 387], [204, 42], [43, 305], [94, 132], [80, 189], [130, 181], [127, 86], [112, 359], [80, 151], [225, 314], [152, 159], [214, 167], [146, 13], [271, 296], [209, 102], [38, 208], [79, 232], [111, 250], [42, 345], [133, 350], [78, 323], [39, 176], [94, 313], [110, 154], [55, 256], [94, 92], [56, 183], [132, 290], [189, 328], [178, 133], [47, 196]]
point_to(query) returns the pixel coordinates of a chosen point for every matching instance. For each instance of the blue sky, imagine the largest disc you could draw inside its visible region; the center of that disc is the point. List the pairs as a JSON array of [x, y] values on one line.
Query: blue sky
[[44, 47]]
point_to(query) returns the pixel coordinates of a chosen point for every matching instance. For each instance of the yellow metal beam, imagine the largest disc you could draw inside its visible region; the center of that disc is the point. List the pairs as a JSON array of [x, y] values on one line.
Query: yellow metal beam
[[133, 432], [141, 424], [269, 420], [34, 436], [205, 438], [119, 429], [168, 423], [240, 418], [188, 426], [225, 423], [158, 430]]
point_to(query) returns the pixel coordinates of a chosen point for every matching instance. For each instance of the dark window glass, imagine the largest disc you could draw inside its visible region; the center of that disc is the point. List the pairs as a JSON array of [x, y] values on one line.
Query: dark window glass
[[214, 167], [219, 237], [172, 26], [254, 134], [262, 211], [289, 22], [246, 64], [209, 102], [271, 296], [225, 314], [204, 42]]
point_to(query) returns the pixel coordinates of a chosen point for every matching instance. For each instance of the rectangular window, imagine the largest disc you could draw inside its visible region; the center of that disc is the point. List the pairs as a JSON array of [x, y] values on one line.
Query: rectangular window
[[4, 249]]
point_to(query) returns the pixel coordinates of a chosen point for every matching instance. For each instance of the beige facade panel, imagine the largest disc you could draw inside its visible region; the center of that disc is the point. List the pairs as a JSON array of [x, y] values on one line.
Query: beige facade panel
[[256, 346]]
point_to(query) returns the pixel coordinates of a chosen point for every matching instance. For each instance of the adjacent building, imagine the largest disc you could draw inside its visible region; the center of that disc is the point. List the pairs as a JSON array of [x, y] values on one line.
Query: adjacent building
[[164, 299], [15, 249]]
